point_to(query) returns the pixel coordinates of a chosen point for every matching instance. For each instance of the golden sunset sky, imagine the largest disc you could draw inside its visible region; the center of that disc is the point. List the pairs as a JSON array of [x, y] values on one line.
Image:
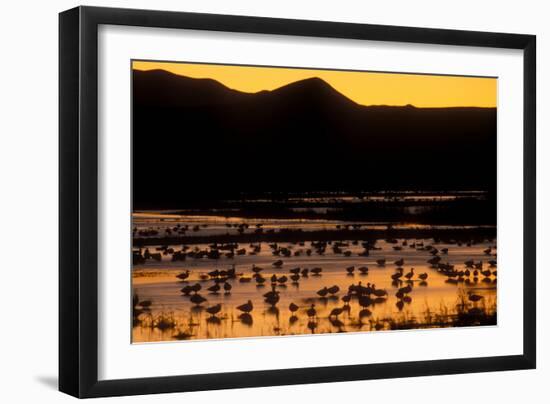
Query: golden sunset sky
[[364, 88]]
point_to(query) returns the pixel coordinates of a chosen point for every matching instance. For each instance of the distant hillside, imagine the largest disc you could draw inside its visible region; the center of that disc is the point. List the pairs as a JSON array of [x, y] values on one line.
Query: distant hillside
[[195, 139]]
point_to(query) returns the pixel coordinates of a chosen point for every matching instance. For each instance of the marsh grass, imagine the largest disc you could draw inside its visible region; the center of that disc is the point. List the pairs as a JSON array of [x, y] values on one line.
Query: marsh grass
[[463, 314]]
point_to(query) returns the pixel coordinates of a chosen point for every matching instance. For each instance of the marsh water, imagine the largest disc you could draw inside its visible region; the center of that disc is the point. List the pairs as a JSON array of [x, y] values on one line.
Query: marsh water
[[435, 294]]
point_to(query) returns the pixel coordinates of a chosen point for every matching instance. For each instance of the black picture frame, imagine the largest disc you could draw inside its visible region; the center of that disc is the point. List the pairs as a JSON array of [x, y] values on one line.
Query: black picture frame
[[78, 196]]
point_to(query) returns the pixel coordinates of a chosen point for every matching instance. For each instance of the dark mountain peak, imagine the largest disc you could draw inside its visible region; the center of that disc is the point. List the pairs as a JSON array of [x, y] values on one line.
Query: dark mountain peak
[[312, 89], [310, 84], [314, 82]]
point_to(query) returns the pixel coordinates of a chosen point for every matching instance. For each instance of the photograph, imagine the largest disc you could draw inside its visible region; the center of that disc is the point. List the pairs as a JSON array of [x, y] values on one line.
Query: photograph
[[282, 201]]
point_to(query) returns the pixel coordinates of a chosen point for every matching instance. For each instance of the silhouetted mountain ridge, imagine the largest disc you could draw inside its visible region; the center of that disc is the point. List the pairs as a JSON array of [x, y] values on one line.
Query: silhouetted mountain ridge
[[197, 139], [159, 87]]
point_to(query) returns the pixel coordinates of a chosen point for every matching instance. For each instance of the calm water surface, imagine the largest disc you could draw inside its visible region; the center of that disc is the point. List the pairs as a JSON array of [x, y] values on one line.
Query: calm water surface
[[157, 282]]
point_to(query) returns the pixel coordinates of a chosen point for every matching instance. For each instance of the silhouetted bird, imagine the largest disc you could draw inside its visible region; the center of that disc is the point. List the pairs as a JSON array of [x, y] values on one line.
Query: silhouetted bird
[[316, 271], [379, 292], [474, 298], [213, 310], [322, 292], [246, 308], [186, 290], [396, 276], [215, 288], [197, 299], [273, 299], [333, 289]]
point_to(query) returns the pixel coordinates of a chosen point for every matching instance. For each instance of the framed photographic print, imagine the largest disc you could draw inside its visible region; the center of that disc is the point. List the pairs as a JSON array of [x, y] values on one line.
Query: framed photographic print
[[251, 201]]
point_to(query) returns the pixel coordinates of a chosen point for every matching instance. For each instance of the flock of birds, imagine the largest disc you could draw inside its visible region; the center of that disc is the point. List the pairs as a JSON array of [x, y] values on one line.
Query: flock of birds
[[183, 229], [366, 295]]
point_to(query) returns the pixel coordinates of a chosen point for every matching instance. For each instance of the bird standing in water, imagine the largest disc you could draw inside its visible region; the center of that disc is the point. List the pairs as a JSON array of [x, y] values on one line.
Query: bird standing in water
[[213, 310], [197, 299], [215, 288], [311, 312], [227, 287], [410, 274], [246, 308]]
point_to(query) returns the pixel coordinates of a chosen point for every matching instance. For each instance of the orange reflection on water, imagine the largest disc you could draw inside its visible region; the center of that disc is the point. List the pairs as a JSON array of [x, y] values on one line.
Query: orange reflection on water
[[430, 303]]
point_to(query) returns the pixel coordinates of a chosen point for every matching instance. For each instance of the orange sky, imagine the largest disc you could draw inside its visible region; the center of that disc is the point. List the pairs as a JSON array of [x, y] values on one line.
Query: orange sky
[[365, 88]]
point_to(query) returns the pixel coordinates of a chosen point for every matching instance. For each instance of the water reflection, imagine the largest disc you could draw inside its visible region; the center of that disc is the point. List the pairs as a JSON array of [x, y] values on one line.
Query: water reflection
[[335, 288]]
